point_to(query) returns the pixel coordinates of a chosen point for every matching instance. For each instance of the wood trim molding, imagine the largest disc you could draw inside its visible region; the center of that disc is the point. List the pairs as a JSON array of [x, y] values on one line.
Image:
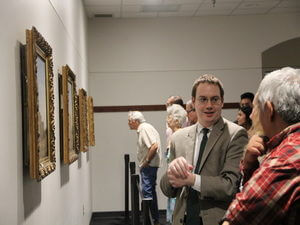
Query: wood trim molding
[[126, 108]]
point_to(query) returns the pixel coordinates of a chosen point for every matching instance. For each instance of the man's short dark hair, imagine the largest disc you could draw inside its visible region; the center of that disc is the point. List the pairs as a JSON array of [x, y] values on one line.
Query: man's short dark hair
[[248, 95], [207, 79]]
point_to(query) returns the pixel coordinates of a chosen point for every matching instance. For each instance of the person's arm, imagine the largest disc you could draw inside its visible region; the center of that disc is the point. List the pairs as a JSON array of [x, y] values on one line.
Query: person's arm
[[150, 155], [266, 196], [249, 163], [165, 184]]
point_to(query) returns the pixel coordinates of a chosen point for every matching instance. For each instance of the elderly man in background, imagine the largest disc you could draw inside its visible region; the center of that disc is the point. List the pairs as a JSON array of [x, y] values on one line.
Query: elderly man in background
[[149, 157], [191, 113], [204, 172], [271, 195]]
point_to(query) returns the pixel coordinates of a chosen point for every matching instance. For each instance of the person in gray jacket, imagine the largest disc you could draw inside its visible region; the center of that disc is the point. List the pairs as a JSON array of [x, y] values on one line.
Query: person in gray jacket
[[204, 171]]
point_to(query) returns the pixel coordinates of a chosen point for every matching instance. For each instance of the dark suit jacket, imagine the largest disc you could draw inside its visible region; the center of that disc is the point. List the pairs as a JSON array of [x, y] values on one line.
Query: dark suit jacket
[[219, 169]]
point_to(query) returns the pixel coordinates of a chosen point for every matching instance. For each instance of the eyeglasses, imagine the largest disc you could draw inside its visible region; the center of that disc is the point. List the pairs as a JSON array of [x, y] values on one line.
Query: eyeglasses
[[216, 100], [191, 110]]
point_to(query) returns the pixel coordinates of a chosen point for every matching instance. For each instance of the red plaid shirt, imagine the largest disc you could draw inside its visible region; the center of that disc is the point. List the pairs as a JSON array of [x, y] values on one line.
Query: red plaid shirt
[[269, 195]]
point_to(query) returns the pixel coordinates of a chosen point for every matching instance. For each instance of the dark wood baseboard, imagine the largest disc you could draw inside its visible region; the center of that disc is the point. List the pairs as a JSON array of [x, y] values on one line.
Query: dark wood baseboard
[[126, 108], [117, 213]]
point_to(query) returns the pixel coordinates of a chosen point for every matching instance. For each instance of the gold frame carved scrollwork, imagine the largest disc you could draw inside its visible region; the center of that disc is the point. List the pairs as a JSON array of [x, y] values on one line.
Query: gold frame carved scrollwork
[[90, 113], [40, 106], [69, 116], [76, 121], [83, 123]]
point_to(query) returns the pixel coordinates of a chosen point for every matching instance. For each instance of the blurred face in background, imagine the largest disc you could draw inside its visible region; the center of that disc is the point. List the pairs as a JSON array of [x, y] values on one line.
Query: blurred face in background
[[133, 124], [246, 102], [241, 118], [191, 114], [172, 123], [170, 101]]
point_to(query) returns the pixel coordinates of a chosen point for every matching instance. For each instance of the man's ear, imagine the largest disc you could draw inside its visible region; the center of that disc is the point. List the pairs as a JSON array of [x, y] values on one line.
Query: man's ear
[[269, 108], [193, 101]]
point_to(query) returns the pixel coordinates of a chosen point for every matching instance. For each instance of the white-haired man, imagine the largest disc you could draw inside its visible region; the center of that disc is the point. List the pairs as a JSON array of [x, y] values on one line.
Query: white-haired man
[[272, 193], [149, 157]]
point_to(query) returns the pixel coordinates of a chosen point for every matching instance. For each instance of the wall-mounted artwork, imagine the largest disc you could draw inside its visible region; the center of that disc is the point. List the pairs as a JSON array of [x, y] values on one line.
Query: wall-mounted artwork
[[69, 116], [38, 102], [83, 123], [90, 113]]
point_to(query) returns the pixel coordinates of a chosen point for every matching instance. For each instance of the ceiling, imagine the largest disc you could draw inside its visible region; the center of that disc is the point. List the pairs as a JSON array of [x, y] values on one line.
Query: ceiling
[[188, 8]]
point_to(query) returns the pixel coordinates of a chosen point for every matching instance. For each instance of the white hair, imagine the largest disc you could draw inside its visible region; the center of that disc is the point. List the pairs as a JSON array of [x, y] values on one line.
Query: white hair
[[189, 102], [136, 115], [282, 88], [177, 112]]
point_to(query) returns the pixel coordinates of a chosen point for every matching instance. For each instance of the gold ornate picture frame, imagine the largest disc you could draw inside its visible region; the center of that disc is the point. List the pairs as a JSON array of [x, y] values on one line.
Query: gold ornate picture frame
[[40, 136], [90, 113], [77, 121], [83, 123], [70, 116]]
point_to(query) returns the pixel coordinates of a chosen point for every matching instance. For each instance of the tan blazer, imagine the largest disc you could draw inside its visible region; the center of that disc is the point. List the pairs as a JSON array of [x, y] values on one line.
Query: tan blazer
[[219, 169]]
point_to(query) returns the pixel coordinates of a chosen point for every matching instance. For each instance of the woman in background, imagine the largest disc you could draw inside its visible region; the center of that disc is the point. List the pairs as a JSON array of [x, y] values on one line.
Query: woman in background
[[255, 130], [243, 117], [176, 119]]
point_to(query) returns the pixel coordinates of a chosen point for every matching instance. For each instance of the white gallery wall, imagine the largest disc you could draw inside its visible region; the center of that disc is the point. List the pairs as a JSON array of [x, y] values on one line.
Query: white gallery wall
[[63, 197], [143, 61]]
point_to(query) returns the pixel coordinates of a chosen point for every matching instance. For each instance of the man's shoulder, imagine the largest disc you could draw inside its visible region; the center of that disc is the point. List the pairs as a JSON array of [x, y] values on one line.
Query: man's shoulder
[[184, 132], [146, 125], [232, 127], [148, 128]]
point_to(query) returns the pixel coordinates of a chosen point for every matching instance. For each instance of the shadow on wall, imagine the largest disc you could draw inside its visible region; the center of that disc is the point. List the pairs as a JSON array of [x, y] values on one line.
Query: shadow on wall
[[31, 193], [284, 54], [65, 169], [31, 187]]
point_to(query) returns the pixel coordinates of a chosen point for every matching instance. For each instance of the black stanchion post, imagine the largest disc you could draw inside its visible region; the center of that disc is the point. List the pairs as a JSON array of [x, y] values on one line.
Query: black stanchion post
[[126, 159], [135, 211], [146, 215], [132, 168]]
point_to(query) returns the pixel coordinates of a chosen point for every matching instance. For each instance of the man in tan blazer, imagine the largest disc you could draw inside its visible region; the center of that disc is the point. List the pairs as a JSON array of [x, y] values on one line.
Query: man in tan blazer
[[204, 191]]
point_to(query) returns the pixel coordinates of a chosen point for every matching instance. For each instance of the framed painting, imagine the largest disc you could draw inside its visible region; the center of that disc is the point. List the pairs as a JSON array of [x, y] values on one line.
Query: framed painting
[[90, 113], [40, 137], [69, 116], [83, 123]]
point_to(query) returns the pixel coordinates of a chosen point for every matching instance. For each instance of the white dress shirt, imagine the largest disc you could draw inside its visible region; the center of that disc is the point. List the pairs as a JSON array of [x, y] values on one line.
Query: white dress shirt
[[199, 136]]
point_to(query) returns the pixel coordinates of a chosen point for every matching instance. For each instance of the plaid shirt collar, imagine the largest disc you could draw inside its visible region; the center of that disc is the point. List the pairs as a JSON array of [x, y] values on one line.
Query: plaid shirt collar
[[278, 138]]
